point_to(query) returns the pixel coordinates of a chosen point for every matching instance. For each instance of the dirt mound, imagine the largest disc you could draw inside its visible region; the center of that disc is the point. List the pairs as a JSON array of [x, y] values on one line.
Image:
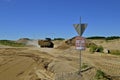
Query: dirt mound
[[58, 43], [63, 46], [28, 42], [23, 40], [71, 42], [60, 67]]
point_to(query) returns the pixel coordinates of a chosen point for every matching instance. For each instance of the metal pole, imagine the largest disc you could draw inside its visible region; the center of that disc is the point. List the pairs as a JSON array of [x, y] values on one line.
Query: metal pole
[[80, 52], [80, 63], [80, 28]]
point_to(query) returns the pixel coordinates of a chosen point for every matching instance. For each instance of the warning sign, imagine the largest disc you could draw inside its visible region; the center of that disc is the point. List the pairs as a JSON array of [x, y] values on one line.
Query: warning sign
[[80, 43]]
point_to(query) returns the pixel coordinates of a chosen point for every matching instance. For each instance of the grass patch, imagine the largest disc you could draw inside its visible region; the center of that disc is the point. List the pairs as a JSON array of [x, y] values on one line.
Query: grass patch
[[100, 75], [84, 66], [115, 52], [11, 43], [95, 48]]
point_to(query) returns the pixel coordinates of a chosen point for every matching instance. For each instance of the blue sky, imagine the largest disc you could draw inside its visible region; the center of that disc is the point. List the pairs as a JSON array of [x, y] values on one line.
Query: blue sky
[[55, 18]]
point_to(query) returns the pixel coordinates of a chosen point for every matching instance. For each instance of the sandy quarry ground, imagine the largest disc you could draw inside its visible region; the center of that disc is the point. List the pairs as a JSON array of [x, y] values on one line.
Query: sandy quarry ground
[[32, 63]]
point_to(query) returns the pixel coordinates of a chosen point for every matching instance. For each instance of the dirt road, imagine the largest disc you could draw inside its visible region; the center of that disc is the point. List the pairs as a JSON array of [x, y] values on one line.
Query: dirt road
[[52, 64], [21, 64]]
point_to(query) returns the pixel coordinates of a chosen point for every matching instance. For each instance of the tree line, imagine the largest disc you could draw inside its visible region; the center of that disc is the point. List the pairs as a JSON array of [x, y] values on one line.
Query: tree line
[[106, 38]]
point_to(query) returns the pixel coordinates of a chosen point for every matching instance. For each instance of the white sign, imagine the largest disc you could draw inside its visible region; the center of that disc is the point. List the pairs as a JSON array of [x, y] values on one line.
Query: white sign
[[80, 43]]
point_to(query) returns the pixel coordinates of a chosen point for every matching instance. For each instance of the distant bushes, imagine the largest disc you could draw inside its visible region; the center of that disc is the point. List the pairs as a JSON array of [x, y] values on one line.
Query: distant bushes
[[11, 43], [96, 37], [48, 39], [59, 39], [112, 38], [106, 38]]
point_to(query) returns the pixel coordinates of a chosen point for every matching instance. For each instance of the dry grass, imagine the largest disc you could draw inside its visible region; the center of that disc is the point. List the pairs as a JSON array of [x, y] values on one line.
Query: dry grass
[[111, 44], [115, 52]]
